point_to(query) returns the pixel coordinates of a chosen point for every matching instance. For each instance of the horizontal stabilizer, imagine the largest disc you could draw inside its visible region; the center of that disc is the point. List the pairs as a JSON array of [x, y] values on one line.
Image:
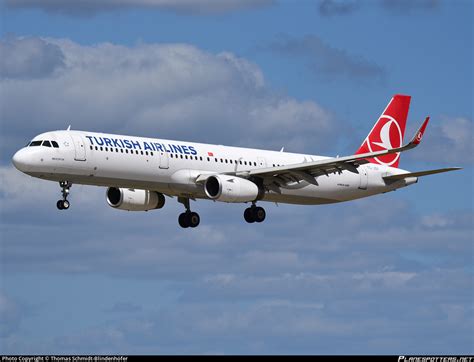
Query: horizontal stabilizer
[[420, 173]]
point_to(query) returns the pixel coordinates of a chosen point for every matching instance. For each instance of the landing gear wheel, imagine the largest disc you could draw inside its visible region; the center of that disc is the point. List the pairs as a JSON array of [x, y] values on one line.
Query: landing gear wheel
[[59, 205], [188, 218], [183, 220], [259, 214], [64, 204], [193, 219], [254, 214], [248, 215]]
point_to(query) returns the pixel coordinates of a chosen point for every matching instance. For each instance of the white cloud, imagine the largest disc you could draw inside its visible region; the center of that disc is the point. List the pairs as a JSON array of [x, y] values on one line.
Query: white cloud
[[327, 61], [172, 91], [436, 220], [29, 58], [448, 139]]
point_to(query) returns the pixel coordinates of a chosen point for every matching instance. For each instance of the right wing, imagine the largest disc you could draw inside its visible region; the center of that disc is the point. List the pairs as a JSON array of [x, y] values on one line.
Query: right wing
[[307, 171]]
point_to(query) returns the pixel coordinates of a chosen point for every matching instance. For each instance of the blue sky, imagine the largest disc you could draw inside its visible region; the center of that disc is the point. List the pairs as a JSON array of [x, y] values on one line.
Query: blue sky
[[389, 274]]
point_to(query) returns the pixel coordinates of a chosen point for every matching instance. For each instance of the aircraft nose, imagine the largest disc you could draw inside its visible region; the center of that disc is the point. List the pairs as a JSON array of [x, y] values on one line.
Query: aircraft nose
[[20, 160]]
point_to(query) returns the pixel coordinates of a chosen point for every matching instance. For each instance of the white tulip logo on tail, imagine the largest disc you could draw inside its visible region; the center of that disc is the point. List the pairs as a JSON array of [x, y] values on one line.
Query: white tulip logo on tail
[[386, 135]]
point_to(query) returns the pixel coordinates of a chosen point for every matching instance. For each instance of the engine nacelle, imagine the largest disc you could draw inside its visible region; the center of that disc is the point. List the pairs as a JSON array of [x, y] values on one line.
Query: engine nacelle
[[134, 200], [230, 189]]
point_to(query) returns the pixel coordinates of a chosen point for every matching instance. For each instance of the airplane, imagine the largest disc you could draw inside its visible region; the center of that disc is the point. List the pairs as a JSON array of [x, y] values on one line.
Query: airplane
[[139, 172]]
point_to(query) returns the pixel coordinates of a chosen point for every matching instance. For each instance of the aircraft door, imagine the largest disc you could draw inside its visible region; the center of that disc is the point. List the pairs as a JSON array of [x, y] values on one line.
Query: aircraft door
[[364, 178], [79, 148], [261, 162], [164, 160]]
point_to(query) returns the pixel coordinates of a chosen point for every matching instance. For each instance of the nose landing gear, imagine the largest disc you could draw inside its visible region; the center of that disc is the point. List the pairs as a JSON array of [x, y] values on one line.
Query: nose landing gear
[[64, 203]]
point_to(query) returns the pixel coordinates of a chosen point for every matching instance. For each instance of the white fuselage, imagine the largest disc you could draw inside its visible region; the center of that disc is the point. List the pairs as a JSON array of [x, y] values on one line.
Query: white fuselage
[[172, 167]]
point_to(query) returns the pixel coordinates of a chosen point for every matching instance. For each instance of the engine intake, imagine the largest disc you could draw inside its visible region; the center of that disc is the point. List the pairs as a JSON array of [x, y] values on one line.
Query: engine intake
[[230, 189], [134, 200]]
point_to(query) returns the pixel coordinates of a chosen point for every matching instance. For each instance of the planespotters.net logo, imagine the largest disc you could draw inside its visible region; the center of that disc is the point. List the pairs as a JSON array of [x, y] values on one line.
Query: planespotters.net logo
[[435, 359]]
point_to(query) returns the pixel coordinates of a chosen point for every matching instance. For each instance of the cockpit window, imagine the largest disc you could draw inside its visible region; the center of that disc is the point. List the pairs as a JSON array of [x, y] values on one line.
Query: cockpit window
[[43, 143]]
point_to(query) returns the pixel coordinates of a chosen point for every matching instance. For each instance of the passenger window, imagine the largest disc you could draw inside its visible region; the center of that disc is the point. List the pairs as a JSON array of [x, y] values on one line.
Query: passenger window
[[222, 161], [151, 153], [200, 158], [186, 157], [101, 148], [121, 150], [215, 159], [126, 151], [91, 148], [255, 163], [181, 156], [141, 152], [226, 160], [106, 149], [96, 148], [46, 144], [245, 163], [208, 159]]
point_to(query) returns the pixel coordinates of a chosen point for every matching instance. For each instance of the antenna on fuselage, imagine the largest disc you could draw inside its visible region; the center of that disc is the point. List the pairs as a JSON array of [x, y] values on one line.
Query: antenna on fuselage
[[282, 149], [69, 128]]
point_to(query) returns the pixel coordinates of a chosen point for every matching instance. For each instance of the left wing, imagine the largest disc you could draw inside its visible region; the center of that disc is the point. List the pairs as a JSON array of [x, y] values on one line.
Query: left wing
[[307, 171]]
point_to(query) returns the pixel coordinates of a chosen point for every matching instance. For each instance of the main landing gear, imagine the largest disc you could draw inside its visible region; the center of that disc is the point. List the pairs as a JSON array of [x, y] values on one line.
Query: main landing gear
[[188, 218], [64, 203], [254, 213]]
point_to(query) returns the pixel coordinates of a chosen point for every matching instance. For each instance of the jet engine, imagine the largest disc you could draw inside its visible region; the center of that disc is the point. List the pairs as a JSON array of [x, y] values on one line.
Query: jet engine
[[134, 200], [231, 189]]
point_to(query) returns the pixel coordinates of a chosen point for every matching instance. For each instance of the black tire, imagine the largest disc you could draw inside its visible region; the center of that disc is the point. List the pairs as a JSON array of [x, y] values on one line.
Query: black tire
[[248, 215], [183, 220], [193, 219], [59, 205], [259, 214], [66, 205]]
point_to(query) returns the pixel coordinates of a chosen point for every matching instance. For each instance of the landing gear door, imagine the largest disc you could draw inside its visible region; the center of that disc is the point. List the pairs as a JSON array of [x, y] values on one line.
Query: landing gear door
[[164, 160], [363, 178], [79, 148]]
